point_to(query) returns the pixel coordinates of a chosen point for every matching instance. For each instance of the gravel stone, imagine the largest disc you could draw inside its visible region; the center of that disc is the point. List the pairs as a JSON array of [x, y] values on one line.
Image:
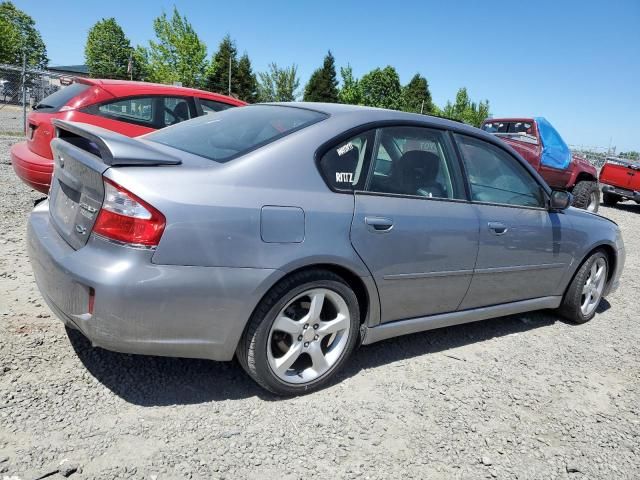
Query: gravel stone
[[531, 393]]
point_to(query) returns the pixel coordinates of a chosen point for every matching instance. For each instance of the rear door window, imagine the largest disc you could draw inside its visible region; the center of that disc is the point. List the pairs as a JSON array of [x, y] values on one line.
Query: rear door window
[[137, 110], [415, 161]]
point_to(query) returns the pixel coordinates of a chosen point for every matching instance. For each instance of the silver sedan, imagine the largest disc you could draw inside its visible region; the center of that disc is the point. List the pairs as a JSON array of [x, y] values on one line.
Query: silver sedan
[[287, 234]]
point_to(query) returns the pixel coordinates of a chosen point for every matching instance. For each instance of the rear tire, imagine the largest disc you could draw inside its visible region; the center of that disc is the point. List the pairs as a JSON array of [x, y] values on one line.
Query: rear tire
[[301, 333], [610, 199], [586, 195], [584, 294]]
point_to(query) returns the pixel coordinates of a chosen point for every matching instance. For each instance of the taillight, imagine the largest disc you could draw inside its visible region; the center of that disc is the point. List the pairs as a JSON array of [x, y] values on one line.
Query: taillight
[[127, 218]]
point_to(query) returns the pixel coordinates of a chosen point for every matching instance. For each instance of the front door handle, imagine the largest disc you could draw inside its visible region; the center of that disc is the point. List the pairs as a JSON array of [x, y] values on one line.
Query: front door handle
[[379, 224], [497, 228]]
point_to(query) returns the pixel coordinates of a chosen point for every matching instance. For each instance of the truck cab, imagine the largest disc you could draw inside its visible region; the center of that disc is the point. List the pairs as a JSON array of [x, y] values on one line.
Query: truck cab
[[541, 145]]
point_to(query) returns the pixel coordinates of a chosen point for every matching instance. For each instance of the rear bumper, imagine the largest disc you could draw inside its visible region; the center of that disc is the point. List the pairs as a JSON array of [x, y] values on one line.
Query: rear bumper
[[140, 307], [33, 169], [621, 192]]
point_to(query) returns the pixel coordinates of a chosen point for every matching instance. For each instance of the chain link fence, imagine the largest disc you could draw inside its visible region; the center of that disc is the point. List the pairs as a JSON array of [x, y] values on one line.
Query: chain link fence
[[20, 89]]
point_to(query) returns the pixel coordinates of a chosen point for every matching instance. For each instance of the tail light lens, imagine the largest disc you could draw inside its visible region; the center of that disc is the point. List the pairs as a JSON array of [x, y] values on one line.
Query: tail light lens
[[127, 218]]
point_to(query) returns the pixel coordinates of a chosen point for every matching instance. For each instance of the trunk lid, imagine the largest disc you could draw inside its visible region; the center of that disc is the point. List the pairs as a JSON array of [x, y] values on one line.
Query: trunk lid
[[81, 154]]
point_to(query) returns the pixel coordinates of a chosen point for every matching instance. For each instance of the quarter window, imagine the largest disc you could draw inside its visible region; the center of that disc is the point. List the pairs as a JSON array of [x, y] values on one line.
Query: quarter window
[[415, 161], [344, 166], [497, 177]]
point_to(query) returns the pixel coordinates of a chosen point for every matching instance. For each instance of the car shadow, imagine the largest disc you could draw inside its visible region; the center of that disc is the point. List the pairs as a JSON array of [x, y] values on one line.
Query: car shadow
[[627, 207], [162, 381]]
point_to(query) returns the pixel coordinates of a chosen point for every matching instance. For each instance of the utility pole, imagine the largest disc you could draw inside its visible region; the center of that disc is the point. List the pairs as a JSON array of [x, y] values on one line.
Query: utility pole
[[24, 91], [229, 75], [422, 108]]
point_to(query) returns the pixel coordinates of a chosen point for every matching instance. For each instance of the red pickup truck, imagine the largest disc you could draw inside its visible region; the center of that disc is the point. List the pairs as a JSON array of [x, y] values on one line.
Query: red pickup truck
[[620, 181], [541, 145]]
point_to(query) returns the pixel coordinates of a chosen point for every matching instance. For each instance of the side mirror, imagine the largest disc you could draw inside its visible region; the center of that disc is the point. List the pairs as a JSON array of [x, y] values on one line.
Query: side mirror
[[560, 200]]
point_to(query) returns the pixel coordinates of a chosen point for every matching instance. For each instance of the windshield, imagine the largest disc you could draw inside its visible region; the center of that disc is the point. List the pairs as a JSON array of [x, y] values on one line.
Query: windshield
[[225, 135], [59, 99]]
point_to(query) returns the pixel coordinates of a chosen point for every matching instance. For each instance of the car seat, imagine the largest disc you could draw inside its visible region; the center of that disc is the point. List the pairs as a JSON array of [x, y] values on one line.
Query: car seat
[[415, 172]]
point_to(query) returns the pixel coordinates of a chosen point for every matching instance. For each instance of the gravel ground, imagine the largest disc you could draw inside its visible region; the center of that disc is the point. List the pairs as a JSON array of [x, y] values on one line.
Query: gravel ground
[[526, 396], [10, 119]]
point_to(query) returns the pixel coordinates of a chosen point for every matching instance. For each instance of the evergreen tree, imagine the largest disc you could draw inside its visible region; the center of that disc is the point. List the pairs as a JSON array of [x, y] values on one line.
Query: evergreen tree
[[416, 97], [107, 50], [246, 83], [218, 74], [323, 84], [18, 36]]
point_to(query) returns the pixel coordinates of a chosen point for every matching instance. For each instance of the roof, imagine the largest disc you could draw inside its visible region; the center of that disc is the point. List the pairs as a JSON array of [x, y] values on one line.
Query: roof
[[374, 114], [83, 69], [121, 88]]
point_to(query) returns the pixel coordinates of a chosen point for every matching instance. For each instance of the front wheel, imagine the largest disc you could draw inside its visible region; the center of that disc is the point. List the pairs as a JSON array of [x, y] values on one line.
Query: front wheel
[[586, 195], [583, 296], [610, 199], [301, 333]]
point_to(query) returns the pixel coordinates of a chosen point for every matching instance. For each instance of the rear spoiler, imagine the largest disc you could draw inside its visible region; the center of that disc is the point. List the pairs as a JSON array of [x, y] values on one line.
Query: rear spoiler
[[113, 148]]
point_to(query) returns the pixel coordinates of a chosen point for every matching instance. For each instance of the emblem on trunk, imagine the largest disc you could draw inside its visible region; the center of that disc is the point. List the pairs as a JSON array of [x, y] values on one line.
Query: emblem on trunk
[[80, 229]]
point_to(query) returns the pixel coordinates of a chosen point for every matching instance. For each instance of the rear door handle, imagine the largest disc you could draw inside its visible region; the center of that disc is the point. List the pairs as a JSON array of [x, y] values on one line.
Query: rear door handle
[[379, 224], [497, 228]]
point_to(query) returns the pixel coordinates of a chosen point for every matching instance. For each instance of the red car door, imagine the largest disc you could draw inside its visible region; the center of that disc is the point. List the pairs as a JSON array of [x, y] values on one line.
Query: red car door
[[620, 175]]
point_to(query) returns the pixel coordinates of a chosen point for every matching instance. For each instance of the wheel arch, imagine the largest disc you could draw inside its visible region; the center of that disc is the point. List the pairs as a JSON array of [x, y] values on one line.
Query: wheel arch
[[583, 177], [612, 258]]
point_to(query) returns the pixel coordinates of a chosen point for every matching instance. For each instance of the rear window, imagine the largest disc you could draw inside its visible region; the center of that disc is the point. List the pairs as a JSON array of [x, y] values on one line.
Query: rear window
[[59, 99], [223, 136]]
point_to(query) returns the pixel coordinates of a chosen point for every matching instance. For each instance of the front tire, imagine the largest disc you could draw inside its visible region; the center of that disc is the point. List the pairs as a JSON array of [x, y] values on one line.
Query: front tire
[[586, 195], [610, 199], [301, 333], [583, 296]]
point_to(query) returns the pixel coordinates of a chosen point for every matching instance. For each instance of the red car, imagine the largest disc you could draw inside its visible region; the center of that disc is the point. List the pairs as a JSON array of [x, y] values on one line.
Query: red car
[[621, 181], [525, 135], [130, 108]]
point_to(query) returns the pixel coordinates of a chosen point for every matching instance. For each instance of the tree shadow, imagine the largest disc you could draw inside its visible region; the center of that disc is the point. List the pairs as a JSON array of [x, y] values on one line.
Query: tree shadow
[[161, 381]]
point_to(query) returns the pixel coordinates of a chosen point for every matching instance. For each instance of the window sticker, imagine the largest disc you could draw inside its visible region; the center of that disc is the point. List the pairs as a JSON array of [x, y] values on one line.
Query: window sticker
[[345, 149], [344, 177]]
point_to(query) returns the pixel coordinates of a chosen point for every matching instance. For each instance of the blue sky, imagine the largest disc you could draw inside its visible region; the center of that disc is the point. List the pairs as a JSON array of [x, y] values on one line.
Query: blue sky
[[575, 62]]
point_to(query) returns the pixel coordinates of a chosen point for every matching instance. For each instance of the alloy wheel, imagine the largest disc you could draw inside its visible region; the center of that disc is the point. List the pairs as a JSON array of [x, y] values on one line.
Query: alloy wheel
[[593, 287], [308, 336]]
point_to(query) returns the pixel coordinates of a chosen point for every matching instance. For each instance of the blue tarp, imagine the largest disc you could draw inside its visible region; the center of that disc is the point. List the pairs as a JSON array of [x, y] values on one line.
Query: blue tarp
[[555, 153]]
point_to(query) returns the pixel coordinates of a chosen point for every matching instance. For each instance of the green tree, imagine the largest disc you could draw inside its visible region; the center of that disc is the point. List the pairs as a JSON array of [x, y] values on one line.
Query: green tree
[[381, 88], [18, 35], [140, 64], [246, 82], [465, 110], [416, 97], [350, 92], [278, 84], [107, 50], [178, 54], [323, 84], [9, 41], [218, 72]]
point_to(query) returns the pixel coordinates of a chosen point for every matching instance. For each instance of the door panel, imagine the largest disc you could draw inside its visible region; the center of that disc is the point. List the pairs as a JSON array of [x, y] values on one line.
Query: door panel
[[527, 260], [421, 252]]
